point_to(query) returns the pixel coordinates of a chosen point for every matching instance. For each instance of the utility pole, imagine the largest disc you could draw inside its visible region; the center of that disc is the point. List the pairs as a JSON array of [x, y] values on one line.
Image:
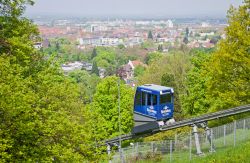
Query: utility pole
[[119, 120]]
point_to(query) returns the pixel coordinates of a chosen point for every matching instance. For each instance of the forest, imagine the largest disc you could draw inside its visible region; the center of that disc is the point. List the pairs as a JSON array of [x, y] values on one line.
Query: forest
[[47, 116]]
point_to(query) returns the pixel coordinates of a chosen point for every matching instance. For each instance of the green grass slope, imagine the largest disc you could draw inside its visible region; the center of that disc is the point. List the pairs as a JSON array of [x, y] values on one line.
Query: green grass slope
[[238, 154]]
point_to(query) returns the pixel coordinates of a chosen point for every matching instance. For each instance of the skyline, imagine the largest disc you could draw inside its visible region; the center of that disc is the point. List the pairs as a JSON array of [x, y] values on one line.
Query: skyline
[[132, 8]]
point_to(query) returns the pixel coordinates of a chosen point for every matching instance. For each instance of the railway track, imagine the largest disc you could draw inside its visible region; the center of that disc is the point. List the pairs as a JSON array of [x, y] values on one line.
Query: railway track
[[142, 131]]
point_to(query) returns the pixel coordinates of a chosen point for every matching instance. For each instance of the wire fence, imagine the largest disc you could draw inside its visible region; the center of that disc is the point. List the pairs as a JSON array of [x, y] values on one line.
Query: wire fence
[[183, 147]]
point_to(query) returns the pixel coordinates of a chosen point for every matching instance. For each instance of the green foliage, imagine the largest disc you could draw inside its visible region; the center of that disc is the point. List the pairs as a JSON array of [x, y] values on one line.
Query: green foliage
[[64, 50], [195, 101], [160, 48], [87, 83], [221, 80], [105, 58], [147, 44], [168, 135], [151, 57], [94, 53], [14, 9], [238, 154], [121, 46], [169, 70], [16, 32], [95, 69], [42, 116], [229, 66], [105, 106], [139, 70], [149, 156]]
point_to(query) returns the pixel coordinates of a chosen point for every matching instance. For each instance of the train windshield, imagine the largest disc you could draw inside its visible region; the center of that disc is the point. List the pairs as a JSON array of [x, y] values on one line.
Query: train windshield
[[166, 98]]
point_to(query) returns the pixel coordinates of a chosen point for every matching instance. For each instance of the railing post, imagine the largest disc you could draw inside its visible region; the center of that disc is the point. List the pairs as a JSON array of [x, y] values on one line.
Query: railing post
[[175, 139], [244, 128], [190, 145], [196, 139], [152, 146], [171, 150], [136, 149], [225, 135], [211, 144], [234, 133], [109, 151]]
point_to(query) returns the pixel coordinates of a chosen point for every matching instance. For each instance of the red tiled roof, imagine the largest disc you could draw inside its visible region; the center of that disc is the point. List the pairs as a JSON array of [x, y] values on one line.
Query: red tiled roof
[[137, 63]]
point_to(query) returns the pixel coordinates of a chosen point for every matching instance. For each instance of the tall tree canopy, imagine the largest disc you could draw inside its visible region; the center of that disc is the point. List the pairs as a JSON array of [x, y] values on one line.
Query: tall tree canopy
[[229, 67], [150, 35], [42, 118], [105, 105], [170, 71]]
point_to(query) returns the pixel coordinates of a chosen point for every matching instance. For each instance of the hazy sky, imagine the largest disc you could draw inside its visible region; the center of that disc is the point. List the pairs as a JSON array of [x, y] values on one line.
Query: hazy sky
[[152, 8]]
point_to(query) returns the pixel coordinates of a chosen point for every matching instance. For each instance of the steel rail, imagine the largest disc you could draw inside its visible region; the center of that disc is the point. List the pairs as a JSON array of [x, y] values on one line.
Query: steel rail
[[188, 122]]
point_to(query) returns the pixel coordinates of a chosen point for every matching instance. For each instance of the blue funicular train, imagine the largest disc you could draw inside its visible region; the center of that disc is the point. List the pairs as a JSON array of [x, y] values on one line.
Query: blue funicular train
[[153, 103]]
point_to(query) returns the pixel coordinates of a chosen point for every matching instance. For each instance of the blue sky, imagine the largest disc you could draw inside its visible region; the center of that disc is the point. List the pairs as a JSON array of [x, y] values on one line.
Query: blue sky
[[152, 8]]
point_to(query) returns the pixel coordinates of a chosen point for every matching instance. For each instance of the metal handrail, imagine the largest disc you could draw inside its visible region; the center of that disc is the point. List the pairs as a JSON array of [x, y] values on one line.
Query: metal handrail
[[187, 122]]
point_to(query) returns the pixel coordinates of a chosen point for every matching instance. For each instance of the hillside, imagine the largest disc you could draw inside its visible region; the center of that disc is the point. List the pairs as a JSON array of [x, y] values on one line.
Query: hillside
[[227, 155]]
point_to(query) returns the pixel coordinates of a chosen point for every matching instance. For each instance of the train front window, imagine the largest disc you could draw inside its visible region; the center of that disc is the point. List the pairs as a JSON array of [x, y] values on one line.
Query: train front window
[[138, 98], [166, 98]]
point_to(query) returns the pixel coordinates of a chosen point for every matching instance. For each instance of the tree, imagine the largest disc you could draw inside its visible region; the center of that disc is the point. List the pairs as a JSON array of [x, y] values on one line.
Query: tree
[[42, 117], [94, 53], [152, 57], [187, 32], [106, 58], [121, 46], [139, 70], [160, 48], [169, 70], [194, 101], [17, 33], [185, 40], [95, 69], [215, 39], [57, 45], [105, 105], [150, 35], [229, 67], [87, 83]]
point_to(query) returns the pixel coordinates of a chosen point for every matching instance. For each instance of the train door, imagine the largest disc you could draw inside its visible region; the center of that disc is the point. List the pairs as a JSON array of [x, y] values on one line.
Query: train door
[[151, 104]]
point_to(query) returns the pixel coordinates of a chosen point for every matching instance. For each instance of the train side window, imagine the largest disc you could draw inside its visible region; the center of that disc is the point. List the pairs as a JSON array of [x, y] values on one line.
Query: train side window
[[143, 94], [154, 99], [165, 99], [149, 99], [138, 98]]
